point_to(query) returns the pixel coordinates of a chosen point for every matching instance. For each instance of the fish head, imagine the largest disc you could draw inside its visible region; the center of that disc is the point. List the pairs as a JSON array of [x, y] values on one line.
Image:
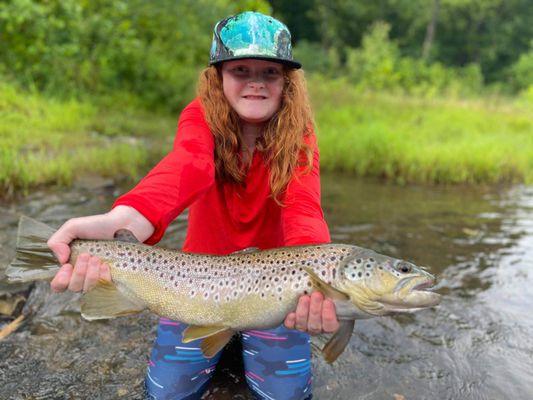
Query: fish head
[[382, 285]]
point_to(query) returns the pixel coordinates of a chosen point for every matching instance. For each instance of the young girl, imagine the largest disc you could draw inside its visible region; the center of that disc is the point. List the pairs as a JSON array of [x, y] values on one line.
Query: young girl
[[245, 163]]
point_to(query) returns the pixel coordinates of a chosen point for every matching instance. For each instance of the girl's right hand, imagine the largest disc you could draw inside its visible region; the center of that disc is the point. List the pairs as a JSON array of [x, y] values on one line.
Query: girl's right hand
[[88, 269], [82, 277]]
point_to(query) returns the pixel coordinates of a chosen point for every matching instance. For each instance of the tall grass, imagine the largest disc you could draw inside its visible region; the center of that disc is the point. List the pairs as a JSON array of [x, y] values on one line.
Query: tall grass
[[406, 139], [46, 141]]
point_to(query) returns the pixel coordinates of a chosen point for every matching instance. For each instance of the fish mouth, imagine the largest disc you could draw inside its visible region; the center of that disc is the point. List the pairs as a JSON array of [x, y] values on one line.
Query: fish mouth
[[425, 286], [413, 295]]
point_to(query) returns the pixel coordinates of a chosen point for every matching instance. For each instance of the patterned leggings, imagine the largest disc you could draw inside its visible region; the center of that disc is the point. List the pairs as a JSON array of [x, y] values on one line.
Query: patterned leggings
[[277, 364]]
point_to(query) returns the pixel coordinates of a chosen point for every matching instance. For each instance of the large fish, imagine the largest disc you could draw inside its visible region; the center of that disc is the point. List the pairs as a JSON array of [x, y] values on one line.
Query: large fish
[[220, 295]]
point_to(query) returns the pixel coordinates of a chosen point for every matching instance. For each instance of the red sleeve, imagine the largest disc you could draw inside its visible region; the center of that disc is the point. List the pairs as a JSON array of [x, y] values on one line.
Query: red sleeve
[[180, 177], [302, 218]]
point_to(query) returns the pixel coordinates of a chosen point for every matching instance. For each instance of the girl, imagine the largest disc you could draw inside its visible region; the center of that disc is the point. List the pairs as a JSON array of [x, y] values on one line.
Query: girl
[[245, 163]]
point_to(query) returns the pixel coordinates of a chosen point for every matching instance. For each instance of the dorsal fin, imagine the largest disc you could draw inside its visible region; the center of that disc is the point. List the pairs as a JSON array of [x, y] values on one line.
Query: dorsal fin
[[125, 235], [246, 251]]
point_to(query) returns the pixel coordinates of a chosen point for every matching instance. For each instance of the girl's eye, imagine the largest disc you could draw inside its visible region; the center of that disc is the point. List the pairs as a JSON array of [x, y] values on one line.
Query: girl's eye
[[272, 72], [240, 70]]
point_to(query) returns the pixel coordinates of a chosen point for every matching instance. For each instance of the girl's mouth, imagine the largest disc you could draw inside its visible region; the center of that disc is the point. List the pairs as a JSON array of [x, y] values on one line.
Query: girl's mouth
[[251, 97]]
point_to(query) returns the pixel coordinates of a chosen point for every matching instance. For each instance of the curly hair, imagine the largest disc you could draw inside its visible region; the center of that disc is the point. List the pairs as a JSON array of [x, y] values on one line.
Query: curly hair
[[282, 141]]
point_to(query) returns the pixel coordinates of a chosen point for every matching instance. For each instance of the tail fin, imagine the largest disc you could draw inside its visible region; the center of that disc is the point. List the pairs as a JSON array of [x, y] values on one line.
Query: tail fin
[[34, 260]]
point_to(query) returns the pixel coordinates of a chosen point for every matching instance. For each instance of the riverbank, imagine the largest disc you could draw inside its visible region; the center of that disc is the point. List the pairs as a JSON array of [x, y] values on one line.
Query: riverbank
[[45, 141], [404, 139], [420, 140]]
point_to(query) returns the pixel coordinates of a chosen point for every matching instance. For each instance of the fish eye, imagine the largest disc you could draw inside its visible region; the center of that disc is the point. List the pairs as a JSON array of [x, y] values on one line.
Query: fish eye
[[404, 267]]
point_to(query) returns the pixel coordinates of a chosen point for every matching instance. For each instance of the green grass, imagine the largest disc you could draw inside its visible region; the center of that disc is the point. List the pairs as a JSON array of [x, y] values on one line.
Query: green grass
[[423, 140], [47, 142], [404, 139]]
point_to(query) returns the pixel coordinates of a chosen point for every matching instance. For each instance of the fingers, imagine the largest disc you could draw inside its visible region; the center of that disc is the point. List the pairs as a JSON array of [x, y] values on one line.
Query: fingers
[[105, 272], [302, 311], [62, 278], [92, 275], [314, 322], [87, 271], [59, 241], [78, 275], [330, 324], [313, 314], [290, 321]]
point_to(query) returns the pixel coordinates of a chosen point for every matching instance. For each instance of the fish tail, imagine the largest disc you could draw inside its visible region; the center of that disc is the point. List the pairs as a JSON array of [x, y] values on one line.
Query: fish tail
[[34, 260]]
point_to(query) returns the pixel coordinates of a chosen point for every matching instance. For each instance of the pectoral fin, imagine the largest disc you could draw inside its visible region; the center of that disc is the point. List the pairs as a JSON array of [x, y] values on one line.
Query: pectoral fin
[[125, 235], [338, 341], [106, 301], [324, 287]]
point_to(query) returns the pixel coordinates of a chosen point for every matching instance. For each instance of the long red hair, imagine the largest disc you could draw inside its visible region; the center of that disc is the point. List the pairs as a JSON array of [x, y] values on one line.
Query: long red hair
[[282, 142]]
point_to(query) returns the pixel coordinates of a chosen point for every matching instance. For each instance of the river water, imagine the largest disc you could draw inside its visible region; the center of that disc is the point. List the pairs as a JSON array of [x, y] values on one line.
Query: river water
[[478, 344]]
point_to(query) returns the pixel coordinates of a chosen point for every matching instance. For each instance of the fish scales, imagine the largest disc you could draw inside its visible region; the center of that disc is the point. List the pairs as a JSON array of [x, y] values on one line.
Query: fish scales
[[233, 290], [218, 295]]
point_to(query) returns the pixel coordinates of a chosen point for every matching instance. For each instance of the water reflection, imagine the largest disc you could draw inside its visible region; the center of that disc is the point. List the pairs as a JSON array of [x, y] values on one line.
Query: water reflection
[[477, 345]]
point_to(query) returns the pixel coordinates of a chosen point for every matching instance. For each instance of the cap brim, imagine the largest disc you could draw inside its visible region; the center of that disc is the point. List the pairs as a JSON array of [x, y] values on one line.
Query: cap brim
[[290, 63]]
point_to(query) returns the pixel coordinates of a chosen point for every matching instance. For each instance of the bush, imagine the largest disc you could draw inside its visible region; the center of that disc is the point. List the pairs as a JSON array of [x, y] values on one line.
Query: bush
[[520, 74], [315, 58], [377, 65], [151, 49]]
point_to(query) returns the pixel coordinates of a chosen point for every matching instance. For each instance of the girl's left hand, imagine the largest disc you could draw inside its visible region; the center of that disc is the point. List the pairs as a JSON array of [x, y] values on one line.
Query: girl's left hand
[[314, 314]]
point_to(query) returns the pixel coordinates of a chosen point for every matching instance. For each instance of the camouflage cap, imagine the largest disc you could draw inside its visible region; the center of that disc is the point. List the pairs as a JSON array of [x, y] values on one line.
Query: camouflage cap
[[252, 35]]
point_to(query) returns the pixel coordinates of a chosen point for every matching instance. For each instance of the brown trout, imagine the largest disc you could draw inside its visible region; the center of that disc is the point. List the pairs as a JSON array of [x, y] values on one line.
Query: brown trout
[[220, 295]]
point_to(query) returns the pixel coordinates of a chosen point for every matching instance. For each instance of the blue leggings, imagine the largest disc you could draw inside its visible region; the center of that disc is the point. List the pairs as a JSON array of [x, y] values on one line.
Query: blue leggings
[[277, 364]]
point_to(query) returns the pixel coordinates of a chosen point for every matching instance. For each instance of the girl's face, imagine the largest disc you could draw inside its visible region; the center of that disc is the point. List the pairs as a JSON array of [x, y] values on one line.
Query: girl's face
[[253, 88]]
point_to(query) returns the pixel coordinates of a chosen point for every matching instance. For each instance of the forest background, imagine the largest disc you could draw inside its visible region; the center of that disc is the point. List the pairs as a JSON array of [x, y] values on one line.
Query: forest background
[[426, 91]]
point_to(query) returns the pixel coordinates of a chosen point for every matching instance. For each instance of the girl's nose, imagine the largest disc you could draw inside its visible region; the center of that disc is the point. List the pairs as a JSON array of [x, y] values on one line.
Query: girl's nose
[[256, 84]]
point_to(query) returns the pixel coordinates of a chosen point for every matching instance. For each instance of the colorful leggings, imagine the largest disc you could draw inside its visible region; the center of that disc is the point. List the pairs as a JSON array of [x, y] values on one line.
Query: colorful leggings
[[277, 364]]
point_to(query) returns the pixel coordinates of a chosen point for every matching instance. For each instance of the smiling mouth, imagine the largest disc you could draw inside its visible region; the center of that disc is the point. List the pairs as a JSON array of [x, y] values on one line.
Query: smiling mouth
[[254, 97]]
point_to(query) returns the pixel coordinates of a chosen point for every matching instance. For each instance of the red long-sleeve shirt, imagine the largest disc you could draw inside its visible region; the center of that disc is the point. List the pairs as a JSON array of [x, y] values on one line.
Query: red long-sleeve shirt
[[225, 217]]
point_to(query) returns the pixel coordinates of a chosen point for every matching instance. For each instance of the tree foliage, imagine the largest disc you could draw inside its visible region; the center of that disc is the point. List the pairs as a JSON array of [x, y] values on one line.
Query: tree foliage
[[154, 50], [490, 33], [151, 49]]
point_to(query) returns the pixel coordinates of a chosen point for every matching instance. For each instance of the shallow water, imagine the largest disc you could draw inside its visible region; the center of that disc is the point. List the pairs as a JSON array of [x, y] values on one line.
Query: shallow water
[[478, 344]]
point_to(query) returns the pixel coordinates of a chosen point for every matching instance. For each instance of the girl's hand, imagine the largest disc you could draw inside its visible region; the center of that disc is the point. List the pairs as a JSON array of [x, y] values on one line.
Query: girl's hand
[[314, 314], [88, 270], [82, 277]]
